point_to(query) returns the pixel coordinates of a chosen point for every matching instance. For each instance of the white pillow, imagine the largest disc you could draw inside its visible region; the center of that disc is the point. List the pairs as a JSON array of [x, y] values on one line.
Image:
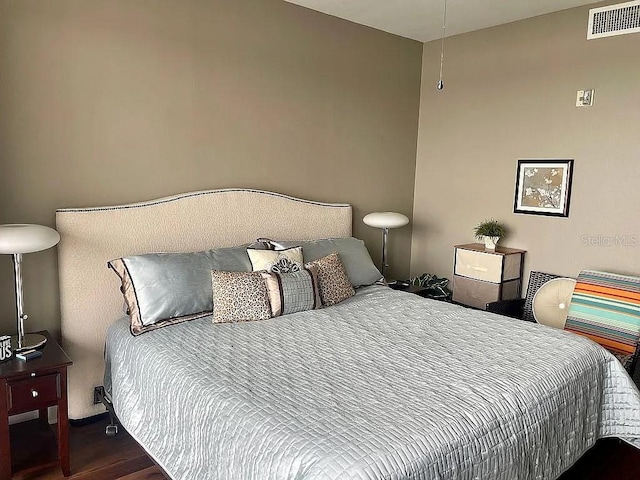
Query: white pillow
[[280, 261]]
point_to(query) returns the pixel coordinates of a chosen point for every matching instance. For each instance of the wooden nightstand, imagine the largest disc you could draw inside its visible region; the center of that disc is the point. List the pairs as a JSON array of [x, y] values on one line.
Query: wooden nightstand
[[35, 385]]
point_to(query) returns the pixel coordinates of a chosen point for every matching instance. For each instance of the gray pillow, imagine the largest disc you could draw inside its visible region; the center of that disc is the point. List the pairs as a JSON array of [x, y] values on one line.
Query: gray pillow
[[293, 292], [354, 255], [166, 288]]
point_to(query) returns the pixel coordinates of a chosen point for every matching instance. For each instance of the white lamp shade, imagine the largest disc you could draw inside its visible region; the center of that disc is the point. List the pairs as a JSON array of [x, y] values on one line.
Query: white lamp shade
[[385, 220], [26, 238]]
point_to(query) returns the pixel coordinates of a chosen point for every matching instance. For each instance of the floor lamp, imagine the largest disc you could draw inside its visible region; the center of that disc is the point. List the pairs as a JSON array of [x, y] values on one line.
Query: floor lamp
[[16, 239], [385, 221]]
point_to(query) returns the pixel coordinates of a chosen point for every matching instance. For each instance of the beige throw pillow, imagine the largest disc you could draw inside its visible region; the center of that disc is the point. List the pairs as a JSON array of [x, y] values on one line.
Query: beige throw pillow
[[281, 261], [333, 281]]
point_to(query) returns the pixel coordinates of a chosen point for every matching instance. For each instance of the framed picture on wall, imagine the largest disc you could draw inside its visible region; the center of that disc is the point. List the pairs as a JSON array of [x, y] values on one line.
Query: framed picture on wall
[[543, 187]]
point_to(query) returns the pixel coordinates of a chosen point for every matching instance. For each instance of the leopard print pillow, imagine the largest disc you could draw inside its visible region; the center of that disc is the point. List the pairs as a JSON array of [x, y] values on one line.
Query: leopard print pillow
[[333, 282], [239, 297]]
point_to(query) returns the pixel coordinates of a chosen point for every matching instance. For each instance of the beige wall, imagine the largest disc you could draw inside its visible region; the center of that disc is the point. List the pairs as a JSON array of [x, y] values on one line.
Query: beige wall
[[510, 94], [106, 102]]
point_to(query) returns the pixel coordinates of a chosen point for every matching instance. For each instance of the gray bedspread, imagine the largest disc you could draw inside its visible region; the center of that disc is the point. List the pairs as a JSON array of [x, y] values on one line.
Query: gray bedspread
[[386, 385]]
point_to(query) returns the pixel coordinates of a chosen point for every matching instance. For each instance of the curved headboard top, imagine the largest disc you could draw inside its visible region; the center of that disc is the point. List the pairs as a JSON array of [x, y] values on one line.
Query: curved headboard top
[[90, 299]]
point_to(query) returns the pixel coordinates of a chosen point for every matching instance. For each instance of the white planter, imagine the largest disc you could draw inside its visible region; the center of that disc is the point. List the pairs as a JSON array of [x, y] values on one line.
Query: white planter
[[490, 242]]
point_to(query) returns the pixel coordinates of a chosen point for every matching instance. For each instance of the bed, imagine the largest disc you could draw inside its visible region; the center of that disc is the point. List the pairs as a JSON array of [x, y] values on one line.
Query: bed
[[384, 384]]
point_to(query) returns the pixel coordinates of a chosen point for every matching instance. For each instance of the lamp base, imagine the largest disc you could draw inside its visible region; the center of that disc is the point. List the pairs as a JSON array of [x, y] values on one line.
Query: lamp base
[[31, 340]]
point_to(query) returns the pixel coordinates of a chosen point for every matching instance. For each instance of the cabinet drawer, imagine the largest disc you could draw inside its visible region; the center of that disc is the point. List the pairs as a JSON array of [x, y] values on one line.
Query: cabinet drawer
[[478, 265], [486, 266], [474, 293], [477, 293], [33, 393]]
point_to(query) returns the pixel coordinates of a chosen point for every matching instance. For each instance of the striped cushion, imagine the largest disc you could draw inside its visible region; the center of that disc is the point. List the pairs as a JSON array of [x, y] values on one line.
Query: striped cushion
[[293, 292], [606, 308]]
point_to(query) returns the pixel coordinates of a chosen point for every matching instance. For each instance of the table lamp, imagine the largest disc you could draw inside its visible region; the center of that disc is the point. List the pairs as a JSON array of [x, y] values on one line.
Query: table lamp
[[16, 239], [385, 221]]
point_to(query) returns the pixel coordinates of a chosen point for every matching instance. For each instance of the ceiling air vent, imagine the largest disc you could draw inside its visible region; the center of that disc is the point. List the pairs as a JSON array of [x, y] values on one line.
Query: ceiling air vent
[[614, 20]]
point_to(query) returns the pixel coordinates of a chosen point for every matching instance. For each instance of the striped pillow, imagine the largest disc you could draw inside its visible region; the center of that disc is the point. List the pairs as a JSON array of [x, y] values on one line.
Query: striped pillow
[[606, 308], [293, 292]]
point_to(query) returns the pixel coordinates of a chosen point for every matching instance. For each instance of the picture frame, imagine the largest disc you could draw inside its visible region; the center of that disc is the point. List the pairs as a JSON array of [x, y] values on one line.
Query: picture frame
[[543, 187]]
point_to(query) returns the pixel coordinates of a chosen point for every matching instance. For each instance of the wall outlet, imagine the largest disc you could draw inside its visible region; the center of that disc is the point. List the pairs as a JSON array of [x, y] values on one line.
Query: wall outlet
[[584, 98]]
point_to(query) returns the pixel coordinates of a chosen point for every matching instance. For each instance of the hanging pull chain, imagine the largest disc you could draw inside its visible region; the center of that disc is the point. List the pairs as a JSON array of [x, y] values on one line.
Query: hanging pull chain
[[444, 33]]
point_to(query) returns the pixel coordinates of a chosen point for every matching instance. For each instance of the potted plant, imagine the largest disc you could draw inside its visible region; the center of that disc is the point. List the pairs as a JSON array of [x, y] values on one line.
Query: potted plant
[[490, 231]]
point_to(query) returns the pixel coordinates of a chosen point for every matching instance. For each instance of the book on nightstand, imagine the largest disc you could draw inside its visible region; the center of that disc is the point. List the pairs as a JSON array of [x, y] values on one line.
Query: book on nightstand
[[28, 355]]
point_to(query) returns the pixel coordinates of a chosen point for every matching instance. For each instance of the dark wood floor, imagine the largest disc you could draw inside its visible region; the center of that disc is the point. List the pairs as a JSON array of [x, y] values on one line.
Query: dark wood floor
[[94, 456]]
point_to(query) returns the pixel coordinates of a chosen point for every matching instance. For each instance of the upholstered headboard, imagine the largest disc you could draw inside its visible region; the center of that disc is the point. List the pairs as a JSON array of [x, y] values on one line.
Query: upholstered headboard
[[90, 299]]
